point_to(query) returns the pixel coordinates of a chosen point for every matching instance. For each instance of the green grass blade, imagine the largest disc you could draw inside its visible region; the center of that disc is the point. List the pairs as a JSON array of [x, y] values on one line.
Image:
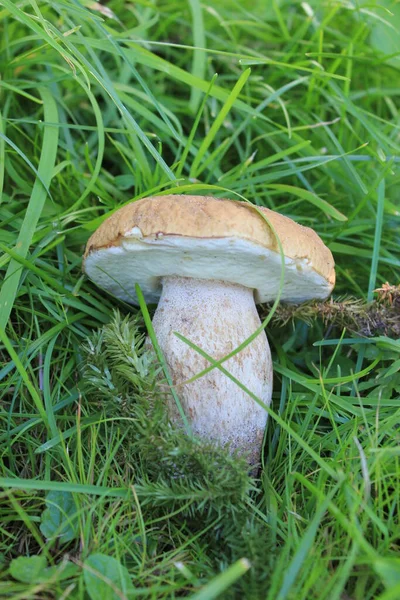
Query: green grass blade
[[199, 56], [185, 153], [18, 483], [377, 239], [218, 122], [24, 376], [222, 582], [295, 565], [38, 197], [346, 160], [100, 150], [323, 205], [49, 407]]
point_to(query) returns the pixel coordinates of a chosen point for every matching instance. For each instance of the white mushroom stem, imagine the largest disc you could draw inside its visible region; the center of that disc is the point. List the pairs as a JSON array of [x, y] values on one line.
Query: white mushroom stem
[[217, 317]]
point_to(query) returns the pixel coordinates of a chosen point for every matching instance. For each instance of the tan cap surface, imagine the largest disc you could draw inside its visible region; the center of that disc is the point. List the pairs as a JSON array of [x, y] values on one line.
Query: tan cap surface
[[162, 218]]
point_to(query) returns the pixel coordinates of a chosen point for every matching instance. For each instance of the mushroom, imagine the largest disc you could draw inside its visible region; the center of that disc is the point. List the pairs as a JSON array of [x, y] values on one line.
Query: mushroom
[[207, 262]]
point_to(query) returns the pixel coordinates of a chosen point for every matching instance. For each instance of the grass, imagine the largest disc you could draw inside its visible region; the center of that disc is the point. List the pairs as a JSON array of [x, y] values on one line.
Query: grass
[[290, 105]]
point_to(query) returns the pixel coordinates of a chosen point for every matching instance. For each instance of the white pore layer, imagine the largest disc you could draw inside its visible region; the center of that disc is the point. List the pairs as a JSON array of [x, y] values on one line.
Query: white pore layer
[[147, 260], [217, 317]]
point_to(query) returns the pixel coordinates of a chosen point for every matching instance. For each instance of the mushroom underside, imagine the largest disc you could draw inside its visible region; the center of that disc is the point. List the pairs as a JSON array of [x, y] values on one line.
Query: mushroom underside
[[229, 259]]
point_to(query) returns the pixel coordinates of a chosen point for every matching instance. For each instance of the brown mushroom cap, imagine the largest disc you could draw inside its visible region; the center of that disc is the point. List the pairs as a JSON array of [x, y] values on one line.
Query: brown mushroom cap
[[206, 238]]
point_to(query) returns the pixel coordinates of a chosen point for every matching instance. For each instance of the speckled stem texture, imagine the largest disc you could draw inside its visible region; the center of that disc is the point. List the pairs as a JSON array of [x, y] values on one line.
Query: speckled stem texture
[[217, 317]]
